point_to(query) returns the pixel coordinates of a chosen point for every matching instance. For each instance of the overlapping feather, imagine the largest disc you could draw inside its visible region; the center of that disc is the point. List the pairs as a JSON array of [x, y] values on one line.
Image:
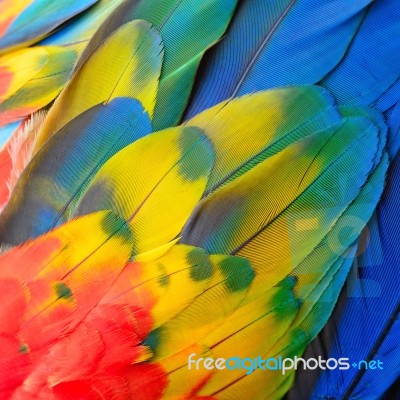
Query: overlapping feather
[[37, 19], [225, 234], [276, 43], [184, 44]]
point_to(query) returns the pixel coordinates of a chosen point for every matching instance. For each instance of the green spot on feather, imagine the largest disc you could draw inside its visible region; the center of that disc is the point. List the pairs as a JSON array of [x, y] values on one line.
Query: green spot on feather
[[153, 339], [238, 272], [198, 155], [285, 304], [200, 265], [116, 227], [163, 279], [24, 348], [63, 291]]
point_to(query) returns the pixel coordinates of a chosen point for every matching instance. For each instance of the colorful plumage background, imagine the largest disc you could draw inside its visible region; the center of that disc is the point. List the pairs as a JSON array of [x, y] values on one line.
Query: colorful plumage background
[[209, 177]]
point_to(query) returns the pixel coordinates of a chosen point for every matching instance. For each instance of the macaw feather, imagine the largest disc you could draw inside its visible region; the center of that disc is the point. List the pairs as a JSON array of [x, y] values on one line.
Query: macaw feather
[[31, 79], [63, 277], [272, 119], [17, 153], [270, 43], [128, 64], [184, 44], [372, 275], [370, 67], [178, 160], [82, 28], [38, 19], [65, 165], [185, 178]]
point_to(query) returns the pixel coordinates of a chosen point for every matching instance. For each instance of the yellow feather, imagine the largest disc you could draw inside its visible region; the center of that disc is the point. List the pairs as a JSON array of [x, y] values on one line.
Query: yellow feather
[[39, 75], [154, 184], [247, 130], [128, 64]]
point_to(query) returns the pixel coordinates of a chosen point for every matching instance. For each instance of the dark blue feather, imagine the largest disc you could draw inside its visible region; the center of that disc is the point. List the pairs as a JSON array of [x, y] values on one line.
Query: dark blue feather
[[393, 393], [372, 63], [276, 43], [393, 121], [389, 98]]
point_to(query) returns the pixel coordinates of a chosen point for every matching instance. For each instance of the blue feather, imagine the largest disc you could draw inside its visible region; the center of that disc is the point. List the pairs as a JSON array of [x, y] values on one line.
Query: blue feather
[[65, 165], [393, 393], [372, 384], [372, 63], [365, 324], [393, 121], [275, 43], [83, 26], [389, 98]]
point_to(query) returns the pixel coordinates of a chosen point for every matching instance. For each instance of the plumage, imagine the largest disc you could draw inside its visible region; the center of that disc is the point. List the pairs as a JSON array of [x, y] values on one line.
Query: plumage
[[116, 66], [182, 159], [184, 44], [17, 153], [8, 13], [7, 131], [56, 298], [371, 291], [31, 79], [38, 19], [188, 179], [82, 28], [393, 119], [273, 119], [369, 69], [67, 162], [276, 43], [373, 71]]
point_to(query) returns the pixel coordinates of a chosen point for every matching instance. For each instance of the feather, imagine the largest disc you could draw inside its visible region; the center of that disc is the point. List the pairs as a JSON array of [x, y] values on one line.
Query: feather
[[156, 203], [38, 19], [184, 44], [32, 78], [65, 165], [389, 98], [373, 71], [7, 131], [128, 64], [371, 295], [184, 269], [225, 331], [17, 153], [64, 268], [8, 12], [19, 67], [82, 28], [394, 130], [369, 69], [231, 235], [335, 249], [272, 119], [378, 120], [267, 314], [293, 172], [270, 43], [70, 345]]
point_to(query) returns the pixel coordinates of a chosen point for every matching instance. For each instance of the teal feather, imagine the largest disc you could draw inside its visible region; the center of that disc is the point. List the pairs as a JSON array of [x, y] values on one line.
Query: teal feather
[[39, 18]]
